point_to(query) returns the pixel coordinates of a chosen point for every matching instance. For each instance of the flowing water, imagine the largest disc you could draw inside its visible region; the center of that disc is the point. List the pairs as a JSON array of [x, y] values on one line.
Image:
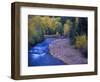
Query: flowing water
[[39, 55]]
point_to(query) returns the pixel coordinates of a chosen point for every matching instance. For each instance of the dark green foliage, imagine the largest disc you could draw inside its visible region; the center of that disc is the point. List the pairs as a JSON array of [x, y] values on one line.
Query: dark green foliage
[[59, 28], [73, 32]]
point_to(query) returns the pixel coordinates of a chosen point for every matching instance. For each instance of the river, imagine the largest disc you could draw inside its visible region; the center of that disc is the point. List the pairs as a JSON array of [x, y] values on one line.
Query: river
[[39, 55]]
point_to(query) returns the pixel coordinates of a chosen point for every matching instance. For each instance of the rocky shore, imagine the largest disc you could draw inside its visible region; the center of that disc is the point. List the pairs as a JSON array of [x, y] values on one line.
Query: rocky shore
[[61, 49]]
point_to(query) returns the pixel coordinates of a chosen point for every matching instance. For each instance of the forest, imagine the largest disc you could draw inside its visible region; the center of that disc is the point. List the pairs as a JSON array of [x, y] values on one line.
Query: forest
[[73, 27], [63, 27]]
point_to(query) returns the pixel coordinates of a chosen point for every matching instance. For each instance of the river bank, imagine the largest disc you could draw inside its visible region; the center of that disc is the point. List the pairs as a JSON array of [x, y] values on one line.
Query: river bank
[[61, 49]]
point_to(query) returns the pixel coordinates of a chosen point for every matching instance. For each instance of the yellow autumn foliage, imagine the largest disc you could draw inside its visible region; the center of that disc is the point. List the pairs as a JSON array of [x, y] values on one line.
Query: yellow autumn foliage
[[34, 29], [80, 41], [67, 27]]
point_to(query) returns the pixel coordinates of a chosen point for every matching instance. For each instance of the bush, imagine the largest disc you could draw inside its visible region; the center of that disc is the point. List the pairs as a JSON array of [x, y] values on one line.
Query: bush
[[81, 41]]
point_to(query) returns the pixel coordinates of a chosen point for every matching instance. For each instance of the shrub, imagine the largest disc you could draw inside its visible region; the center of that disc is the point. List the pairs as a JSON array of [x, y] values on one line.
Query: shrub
[[81, 41]]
